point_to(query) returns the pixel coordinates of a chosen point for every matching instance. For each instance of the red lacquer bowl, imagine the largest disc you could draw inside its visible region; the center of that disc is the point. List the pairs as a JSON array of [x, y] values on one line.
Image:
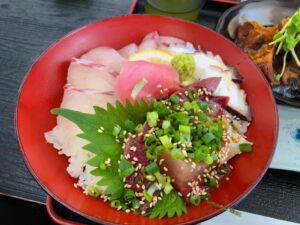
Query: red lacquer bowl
[[43, 90]]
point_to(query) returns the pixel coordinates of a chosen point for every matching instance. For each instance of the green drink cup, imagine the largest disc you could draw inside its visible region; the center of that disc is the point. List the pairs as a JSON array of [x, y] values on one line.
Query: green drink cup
[[185, 9]]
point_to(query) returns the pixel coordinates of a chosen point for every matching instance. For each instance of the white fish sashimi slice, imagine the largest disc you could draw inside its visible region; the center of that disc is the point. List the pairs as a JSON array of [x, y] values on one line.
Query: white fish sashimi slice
[[235, 138], [64, 135], [148, 44], [169, 40], [90, 76], [208, 65], [176, 49], [128, 50], [105, 56], [150, 41], [169, 44]]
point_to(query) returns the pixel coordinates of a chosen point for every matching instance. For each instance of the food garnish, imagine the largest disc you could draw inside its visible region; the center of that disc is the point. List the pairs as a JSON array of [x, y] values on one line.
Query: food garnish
[[150, 131], [287, 39]]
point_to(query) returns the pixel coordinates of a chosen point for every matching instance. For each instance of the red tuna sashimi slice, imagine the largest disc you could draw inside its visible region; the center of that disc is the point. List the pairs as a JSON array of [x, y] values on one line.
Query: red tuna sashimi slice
[[106, 56], [159, 80], [128, 50], [90, 76]]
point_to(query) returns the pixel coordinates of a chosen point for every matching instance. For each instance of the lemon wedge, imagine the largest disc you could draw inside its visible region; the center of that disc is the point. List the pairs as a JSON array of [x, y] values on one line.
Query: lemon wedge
[[152, 55]]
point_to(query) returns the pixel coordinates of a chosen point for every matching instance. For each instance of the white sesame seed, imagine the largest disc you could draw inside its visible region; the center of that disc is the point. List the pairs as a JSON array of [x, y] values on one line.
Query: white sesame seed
[[161, 161], [135, 159]]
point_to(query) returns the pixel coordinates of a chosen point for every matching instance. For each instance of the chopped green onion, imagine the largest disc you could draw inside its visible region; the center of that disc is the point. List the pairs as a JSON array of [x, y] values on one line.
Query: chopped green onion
[[195, 106], [126, 168], [206, 196], [191, 155], [93, 191], [200, 128], [209, 160], [166, 141], [190, 94], [150, 154], [203, 105], [129, 126], [212, 182], [147, 196], [185, 138], [185, 129], [159, 132], [181, 118], [174, 99], [197, 143], [129, 194], [208, 137], [150, 139], [195, 199], [115, 204], [176, 136], [201, 153], [152, 168], [202, 116], [245, 147], [221, 170], [135, 203], [166, 124], [116, 130], [152, 118], [168, 188], [139, 128], [187, 105], [150, 177], [177, 154], [153, 188], [161, 108], [160, 178], [159, 149], [102, 166], [214, 156]]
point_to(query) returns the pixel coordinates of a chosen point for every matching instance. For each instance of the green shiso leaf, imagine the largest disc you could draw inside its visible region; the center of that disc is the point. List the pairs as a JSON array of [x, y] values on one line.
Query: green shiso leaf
[[104, 144], [169, 205]]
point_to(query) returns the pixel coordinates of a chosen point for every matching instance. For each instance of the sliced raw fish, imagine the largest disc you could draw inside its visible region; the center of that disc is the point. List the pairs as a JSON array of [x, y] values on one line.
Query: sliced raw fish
[[183, 172], [177, 49], [106, 56], [63, 136], [159, 80], [169, 40], [85, 75], [169, 44], [208, 65], [128, 50], [150, 41]]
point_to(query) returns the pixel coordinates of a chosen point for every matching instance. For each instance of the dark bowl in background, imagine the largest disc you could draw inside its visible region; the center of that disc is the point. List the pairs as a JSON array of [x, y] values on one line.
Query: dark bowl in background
[[267, 13]]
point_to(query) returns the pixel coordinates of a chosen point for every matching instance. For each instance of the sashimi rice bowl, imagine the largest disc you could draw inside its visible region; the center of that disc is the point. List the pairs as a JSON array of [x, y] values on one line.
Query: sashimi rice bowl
[[150, 128]]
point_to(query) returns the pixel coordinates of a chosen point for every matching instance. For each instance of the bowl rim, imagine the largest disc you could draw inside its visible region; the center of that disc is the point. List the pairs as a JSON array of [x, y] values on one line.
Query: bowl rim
[[221, 20], [100, 220]]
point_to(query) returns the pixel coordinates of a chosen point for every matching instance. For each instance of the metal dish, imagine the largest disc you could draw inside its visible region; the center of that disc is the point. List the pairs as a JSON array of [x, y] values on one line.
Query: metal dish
[[266, 12]]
